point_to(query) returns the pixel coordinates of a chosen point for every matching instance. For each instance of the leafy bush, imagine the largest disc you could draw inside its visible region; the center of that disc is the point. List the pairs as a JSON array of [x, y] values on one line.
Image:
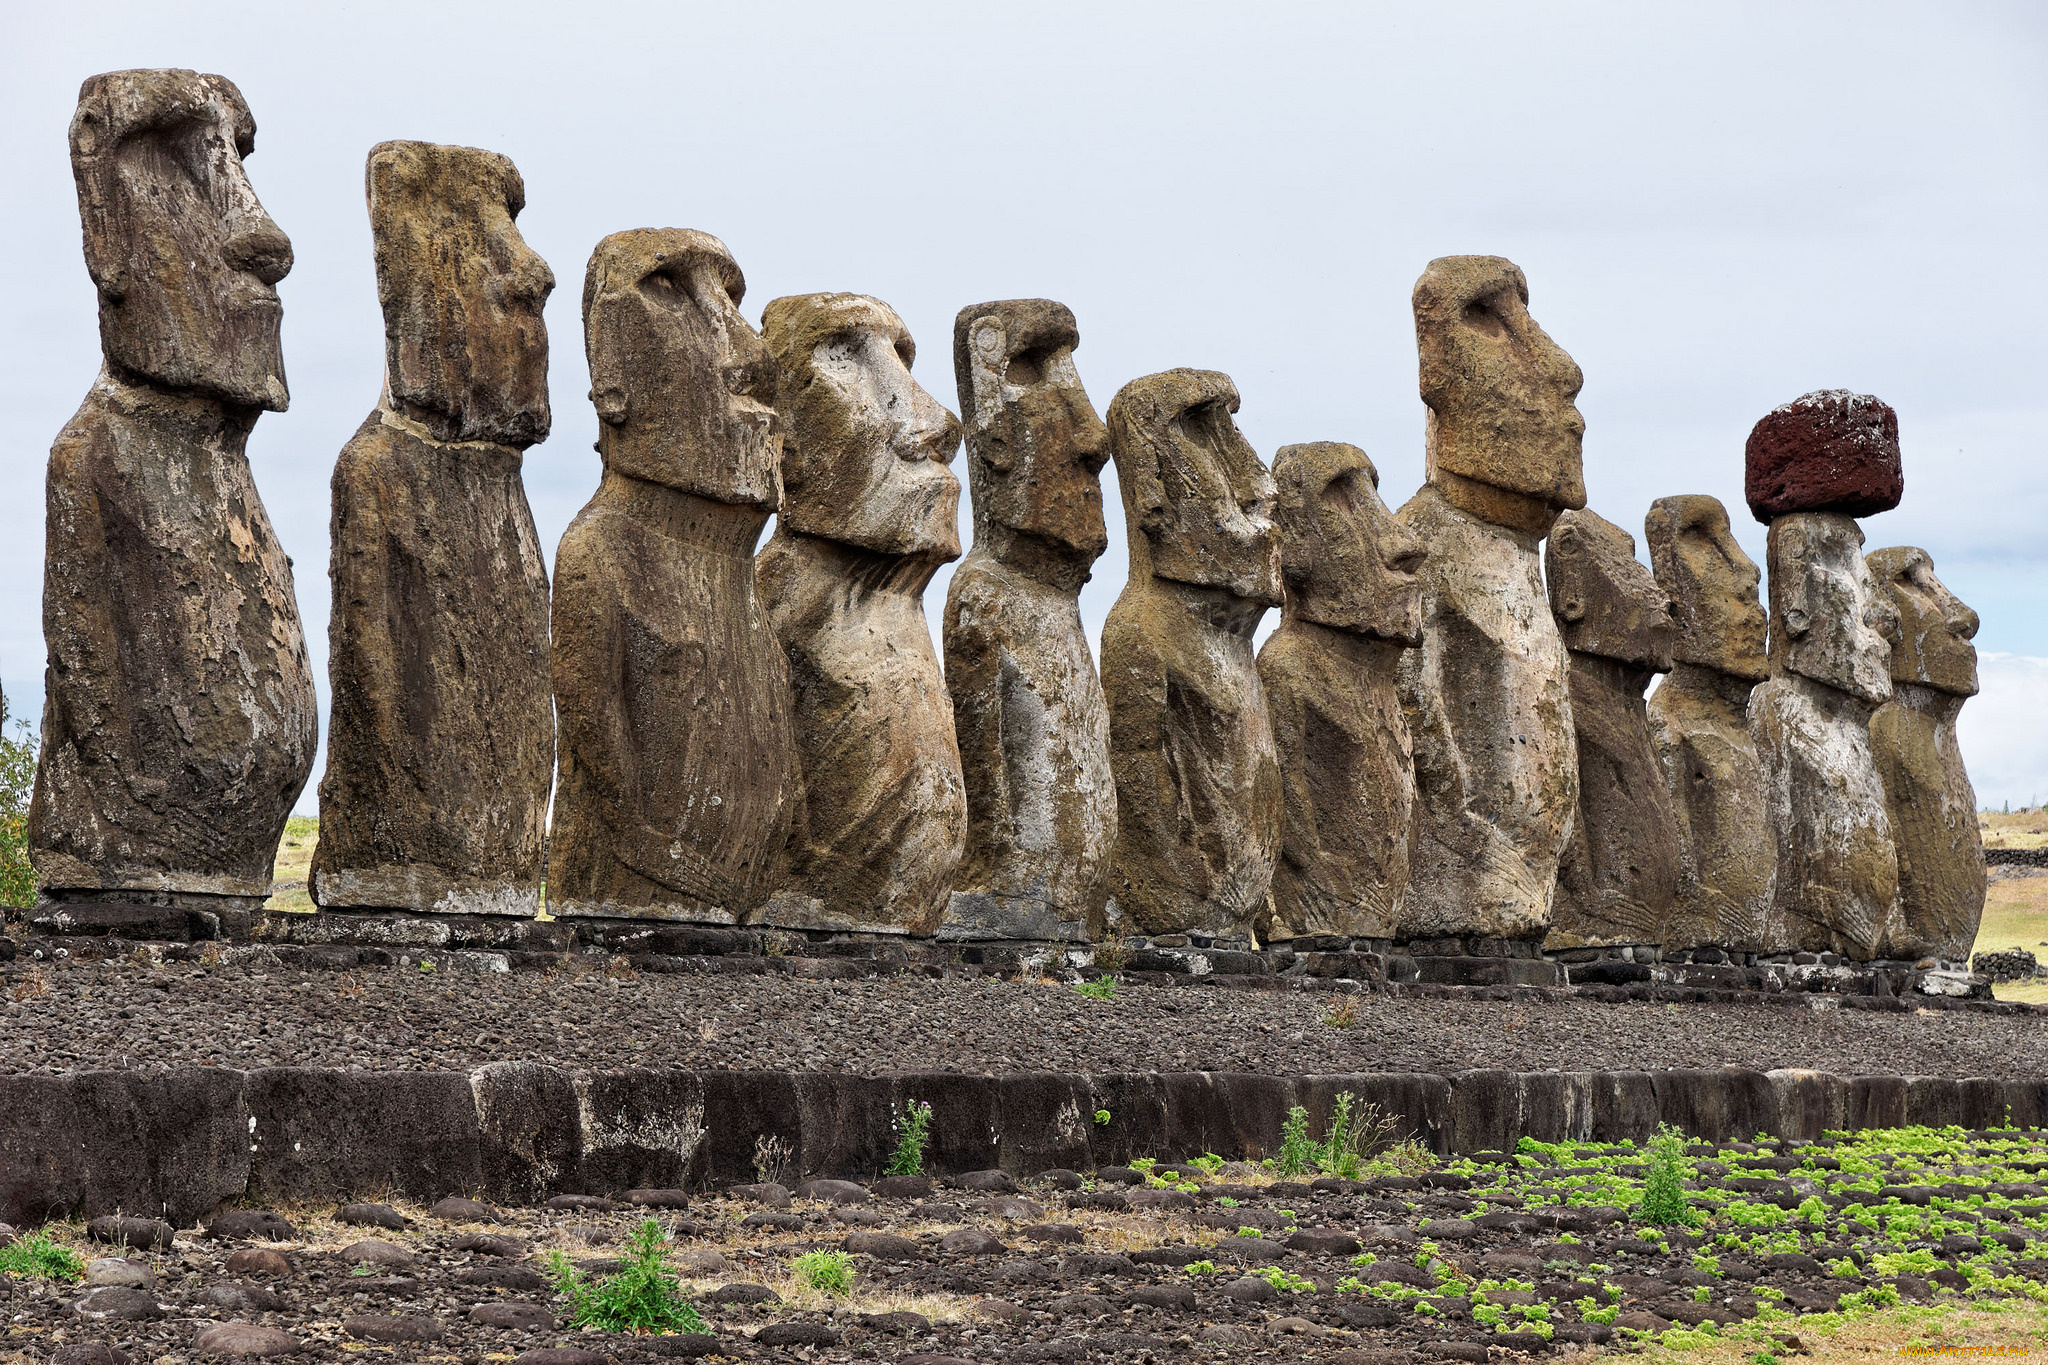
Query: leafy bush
[[913, 1135], [1101, 988], [1297, 1152], [40, 1258], [1664, 1189], [17, 781], [1282, 1280], [1357, 1134], [644, 1297], [828, 1272]]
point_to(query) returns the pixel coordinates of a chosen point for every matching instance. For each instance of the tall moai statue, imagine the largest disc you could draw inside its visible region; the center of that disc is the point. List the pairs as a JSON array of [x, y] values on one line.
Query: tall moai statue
[[180, 724], [1699, 723], [1028, 710], [869, 513], [441, 736], [1488, 695], [1913, 737], [1813, 467], [1619, 873], [676, 752], [1190, 741], [1353, 608]]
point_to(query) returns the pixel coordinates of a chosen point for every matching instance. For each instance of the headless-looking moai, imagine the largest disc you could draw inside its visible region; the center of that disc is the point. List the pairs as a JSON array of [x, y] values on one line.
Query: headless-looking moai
[[869, 513], [441, 741], [1354, 607], [1190, 741], [1813, 467], [1488, 695], [1913, 736], [1699, 723], [179, 725], [677, 759], [1619, 873], [1028, 710]]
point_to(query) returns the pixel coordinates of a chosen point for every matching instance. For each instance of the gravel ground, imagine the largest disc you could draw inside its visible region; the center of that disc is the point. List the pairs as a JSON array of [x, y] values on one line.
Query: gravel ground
[[1057, 1274], [76, 1016]]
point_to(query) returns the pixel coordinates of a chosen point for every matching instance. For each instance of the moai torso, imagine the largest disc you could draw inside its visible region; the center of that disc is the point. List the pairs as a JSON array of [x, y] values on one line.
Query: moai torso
[[1699, 725], [1028, 710], [180, 722], [676, 753], [1191, 745], [869, 513], [1487, 695], [441, 741], [1353, 607], [1913, 737], [1619, 874]]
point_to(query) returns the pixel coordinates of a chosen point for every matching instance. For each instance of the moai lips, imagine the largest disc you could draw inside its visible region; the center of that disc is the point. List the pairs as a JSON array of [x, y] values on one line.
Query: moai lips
[[677, 764], [1191, 745], [1699, 725], [1932, 806], [1838, 873], [441, 750], [1619, 874], [179, 724], [869, 513], [1828, 451], [1354, 605], [1028, 709], [1487, 697]]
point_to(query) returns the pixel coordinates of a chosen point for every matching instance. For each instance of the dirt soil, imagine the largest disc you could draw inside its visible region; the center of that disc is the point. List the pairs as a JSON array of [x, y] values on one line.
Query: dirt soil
[[64, 1016]]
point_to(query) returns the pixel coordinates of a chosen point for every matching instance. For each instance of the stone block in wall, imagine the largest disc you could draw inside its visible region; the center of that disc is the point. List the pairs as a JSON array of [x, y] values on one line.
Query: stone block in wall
[[1809, 1103], [324, 1134], [1725, 1105], [529, 1132], [1624, 1105]]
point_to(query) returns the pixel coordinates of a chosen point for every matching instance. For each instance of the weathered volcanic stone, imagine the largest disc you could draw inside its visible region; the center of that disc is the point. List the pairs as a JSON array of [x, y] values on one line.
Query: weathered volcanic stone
[[179, 725], [1699, 725], [676, 761], [1619, 874], [1190, 742], [441, 745], [1028, 711], [1487, 697], [1838, 874], [1829, 451], [1913, 736], [869, 513], [1353, 607]]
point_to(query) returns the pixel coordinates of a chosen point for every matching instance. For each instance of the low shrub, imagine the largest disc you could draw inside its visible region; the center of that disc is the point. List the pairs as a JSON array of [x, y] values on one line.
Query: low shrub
[[644, 1297]]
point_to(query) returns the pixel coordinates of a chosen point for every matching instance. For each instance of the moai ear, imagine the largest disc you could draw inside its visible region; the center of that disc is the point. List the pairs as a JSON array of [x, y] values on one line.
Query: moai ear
[[988, 346], [606, 310], [1567, 574], [1798, 611]]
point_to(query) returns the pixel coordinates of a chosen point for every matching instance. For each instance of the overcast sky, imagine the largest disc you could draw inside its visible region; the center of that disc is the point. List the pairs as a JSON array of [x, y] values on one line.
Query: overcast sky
[[1717, 211]]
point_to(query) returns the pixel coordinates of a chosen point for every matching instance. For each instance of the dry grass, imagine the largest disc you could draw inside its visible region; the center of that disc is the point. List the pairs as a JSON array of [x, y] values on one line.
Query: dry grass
[[1955, 1331], [2016, 916], [294, 864], [2023, 829]]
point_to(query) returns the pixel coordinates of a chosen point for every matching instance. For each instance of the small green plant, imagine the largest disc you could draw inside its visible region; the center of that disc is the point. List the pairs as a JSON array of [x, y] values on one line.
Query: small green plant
[[1226, 1201], [1664, 1189], [1297, 1152], [426, 966], [1706, 1265], [1282, 1280], [40, 1258], [1102, 1118], [644, 1297], [1702, 1294], [1208, 1163], [1253, 1232], [1202, 1268], [828, 1272], [1101, 988], [913, 1135]]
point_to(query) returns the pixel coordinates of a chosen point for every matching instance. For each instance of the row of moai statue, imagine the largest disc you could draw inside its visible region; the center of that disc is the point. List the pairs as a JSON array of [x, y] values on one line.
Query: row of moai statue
[[1446, 737]]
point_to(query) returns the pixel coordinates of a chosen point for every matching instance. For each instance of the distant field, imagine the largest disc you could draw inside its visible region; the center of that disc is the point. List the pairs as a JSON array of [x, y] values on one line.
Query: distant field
[[2023, 829], [294, 860]]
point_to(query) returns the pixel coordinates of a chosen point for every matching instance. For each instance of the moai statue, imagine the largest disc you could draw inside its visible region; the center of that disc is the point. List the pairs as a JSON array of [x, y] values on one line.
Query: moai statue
[[1619, 873], [1815, 465], [869, 513], [1913, 736], [1699, 724], [1190, 742], [1487, 696], [1028, 711], [676, 751], [180, 722], [441, 738], [1354, 606]]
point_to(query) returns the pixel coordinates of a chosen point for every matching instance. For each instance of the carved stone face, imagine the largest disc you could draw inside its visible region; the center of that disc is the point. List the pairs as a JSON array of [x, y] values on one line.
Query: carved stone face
[[1712, 585], [1347, 563], [1035, 448], [1503, 433], [465, 349], [683, 385], [1197, 500], [1828, 621], [866, 448], [1606, 603], [1935, 628], [184, 256]]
